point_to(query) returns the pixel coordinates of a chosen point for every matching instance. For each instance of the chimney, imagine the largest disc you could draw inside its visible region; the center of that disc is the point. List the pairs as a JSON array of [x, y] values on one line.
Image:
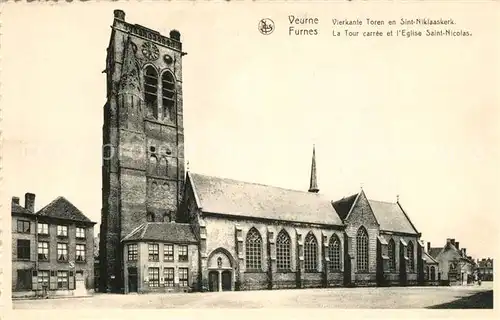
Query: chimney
[[119, 14], [452, 241], [448, 241], [428, 247], [15, 200], [464, 250], [457, 245], [29, 201]]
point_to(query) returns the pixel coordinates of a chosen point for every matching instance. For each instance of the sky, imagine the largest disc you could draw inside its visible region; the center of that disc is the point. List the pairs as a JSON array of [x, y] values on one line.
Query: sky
[[413, 117]]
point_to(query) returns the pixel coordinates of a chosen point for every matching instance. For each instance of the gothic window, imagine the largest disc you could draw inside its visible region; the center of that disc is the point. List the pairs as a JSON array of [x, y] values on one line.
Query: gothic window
[[411, 259], [334, 253], [310, 253], [153, 164], [150, 217], [362, 249], [433, 273], [163, 167], [253, 250], [392, 254], [168, 95], [283, 249]]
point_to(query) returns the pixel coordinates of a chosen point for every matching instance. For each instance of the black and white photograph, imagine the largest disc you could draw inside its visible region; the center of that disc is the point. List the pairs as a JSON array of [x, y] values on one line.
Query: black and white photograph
[[250, 155]]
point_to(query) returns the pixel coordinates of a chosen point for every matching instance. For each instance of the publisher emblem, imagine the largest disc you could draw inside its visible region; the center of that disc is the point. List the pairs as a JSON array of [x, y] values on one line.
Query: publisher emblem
[[266, 26]]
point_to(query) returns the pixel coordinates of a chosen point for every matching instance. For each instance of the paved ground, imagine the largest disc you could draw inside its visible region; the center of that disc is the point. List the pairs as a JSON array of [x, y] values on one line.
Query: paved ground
[[345, 298]]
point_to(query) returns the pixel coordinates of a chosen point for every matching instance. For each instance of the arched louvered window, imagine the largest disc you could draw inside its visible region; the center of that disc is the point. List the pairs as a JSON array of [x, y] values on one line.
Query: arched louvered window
[[168, 96], [392, 254], [283, 251], [253, 250], [362, 250], [411, 259], [311, 253], [335, 253], [151, 91]]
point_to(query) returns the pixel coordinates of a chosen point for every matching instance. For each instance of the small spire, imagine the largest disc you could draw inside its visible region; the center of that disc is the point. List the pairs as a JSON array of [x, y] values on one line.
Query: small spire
[[313, 184], [187, 166], [397, 198]]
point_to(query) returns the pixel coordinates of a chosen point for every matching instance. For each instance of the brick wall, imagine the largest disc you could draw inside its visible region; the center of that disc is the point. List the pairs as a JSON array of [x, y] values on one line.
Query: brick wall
[[52, 264], [143, 264], [221, 233], [393, 276], [362, 216], [131, 187]]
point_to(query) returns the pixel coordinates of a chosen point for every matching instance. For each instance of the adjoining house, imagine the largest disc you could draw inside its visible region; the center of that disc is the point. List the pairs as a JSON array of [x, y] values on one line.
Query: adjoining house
[[161, 257], [455, 267], [52, 249], [484, 269]]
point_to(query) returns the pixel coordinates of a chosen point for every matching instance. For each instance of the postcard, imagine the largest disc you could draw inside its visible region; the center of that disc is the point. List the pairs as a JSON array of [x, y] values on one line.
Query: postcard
[[226, 156]]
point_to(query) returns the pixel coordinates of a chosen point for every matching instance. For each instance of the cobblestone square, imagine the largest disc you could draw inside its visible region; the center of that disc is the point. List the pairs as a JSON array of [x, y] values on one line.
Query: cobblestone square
[[339, 298]]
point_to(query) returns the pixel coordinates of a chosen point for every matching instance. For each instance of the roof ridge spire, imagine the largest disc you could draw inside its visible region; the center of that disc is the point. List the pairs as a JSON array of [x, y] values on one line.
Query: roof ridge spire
[[313, 183]]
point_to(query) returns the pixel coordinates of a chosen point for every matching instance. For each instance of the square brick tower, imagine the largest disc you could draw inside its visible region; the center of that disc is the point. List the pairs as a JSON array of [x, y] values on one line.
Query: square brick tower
[[143, 138]]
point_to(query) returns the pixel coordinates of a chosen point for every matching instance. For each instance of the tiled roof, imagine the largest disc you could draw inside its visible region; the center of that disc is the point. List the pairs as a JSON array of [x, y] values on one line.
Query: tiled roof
[[485, 263], [61, 208], [162, 231], [245, 199], [434, 252], [391, 217], [344, 205], [16, 208], [428, 258]]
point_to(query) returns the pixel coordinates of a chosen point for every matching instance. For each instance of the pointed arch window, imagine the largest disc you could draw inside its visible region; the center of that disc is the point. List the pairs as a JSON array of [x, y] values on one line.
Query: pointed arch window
[[153, 164], [151, 91], [334, 254], [253, 252], [283, 251], [411, 259], [311, 253], [391, 248], [433, 273], [362, 249], [168, 96]]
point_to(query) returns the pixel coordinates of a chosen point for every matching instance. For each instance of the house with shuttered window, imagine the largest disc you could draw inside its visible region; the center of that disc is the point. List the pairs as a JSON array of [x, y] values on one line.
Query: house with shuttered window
[[52, 249]]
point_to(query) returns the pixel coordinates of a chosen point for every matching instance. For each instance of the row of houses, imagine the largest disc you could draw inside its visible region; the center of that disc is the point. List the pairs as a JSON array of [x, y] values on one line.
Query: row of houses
[[53, 253]]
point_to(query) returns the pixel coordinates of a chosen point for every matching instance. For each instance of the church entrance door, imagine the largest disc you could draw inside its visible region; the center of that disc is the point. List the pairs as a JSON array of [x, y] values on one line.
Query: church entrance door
[[213, 281], [226, 280]]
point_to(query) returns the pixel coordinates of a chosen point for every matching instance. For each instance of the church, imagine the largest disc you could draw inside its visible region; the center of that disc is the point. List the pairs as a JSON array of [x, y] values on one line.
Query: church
[[167, 230]]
